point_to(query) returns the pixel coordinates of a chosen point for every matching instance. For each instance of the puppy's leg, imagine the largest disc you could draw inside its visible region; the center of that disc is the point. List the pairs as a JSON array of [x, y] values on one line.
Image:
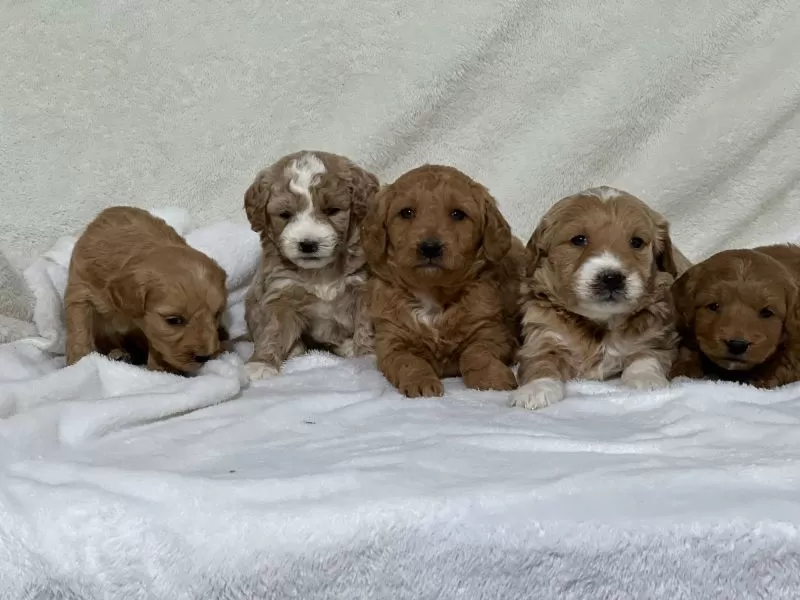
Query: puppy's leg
[[79, 315], [405, 369], [688, 364], [276, 329], [647, 370], [363, 332], [543, 369], [483, 362]]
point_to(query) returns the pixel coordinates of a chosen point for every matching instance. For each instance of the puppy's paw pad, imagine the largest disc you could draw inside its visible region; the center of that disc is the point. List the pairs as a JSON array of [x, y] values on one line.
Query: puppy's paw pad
[[644, 381], [260, 370], [423, 388], [538, 393]]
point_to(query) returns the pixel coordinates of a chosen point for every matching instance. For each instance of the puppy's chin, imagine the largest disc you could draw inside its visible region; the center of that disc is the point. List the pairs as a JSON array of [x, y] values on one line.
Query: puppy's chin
[[306, 262], [603, 310], [732, 364]]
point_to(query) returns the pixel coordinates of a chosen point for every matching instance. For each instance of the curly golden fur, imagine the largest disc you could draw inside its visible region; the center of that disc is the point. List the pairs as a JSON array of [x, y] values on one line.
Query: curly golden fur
[[447, 269], [137, 291], [595, 300], [310, 289], [739, 317]]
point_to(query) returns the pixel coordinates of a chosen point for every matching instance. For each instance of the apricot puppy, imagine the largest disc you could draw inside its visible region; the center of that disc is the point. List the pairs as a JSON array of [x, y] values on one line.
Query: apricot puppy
[[739, 317], [137, 291], [595, 301], [445, 286]]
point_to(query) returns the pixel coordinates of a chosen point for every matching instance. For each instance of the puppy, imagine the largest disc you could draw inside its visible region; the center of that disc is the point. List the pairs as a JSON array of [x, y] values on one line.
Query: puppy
[[310, 289], [137, 291], [595, 301], [447, 271], [738, 318]]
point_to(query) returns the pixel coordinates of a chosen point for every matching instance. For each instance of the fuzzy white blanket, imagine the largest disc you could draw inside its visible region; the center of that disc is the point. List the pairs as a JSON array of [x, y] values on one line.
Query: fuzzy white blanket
[[324, 483]]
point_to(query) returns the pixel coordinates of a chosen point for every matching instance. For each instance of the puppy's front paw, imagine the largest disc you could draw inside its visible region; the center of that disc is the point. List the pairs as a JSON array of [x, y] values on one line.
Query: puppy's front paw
[[424, 386], [538, 394], [260, 370], [120, 355], [346, 349], [644, 374], [496, 377]]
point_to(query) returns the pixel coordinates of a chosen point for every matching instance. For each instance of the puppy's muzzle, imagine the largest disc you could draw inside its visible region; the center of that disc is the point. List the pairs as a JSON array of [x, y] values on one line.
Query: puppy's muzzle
[[430, 249], [609, 285], [308, 247], [737, 347]]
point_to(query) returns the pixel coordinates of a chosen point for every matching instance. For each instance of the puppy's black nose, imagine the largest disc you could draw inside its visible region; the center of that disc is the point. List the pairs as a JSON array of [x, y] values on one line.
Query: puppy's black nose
[[308, 246], [612, 281], [430, 248], [202, 358], [737, 346]]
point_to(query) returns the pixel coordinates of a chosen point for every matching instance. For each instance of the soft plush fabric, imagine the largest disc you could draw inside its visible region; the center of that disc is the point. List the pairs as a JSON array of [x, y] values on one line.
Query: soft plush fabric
[[325, 483]]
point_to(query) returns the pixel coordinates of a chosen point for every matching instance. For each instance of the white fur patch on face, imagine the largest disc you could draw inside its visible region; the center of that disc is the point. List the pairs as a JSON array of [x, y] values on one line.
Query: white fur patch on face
[[594, 305], [604, 192], [307, 241]]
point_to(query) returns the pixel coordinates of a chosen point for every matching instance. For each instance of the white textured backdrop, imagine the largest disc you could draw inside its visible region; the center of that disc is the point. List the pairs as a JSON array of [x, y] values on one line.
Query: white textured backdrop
[[691, 104]]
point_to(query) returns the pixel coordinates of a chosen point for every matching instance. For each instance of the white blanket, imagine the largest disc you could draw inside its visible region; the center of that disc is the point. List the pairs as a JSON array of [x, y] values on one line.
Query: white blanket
[[116, 482]]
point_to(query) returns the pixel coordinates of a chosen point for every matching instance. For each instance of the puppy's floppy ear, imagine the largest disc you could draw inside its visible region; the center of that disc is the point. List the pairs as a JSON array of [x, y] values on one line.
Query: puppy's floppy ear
[[128, 291], [683, 292], [537, 246], [668, 259], [496, 231], [255, 205], [362, 186], [373, 228]]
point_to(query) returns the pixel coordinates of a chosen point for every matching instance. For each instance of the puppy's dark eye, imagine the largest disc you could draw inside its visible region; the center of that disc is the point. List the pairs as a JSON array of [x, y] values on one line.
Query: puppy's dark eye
[[636, 242], [332, 210], [766, 313], [713, 307], [407, 213], [175, 321], [285, 215], [579, 240], [458, 215]]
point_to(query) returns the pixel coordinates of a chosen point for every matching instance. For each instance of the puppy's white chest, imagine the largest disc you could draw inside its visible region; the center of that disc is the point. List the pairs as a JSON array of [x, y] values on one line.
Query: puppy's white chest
[[328, 291], [611, 359], [426, 312]]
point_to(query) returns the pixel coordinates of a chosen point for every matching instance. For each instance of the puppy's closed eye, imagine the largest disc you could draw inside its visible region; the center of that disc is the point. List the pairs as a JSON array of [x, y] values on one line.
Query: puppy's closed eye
[[332, 210], [175, 320]]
